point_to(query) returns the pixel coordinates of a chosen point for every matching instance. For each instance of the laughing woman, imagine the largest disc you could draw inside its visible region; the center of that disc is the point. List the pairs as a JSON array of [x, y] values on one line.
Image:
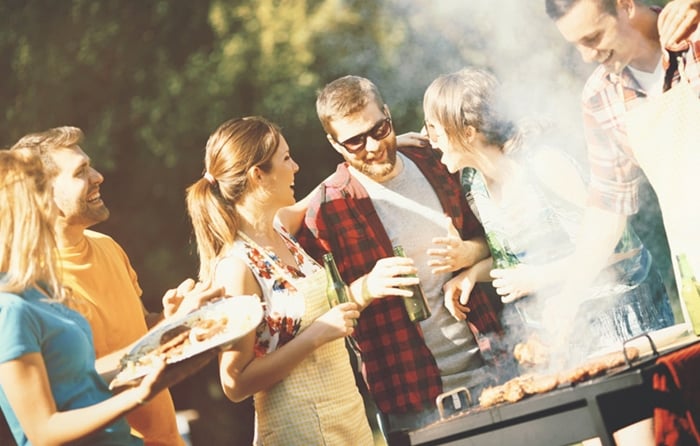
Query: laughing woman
[[530, 199], [295, 364], [50, 392]]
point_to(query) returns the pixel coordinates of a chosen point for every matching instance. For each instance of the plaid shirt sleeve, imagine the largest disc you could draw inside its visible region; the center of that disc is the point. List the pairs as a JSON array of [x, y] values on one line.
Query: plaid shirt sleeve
[[615, 174]]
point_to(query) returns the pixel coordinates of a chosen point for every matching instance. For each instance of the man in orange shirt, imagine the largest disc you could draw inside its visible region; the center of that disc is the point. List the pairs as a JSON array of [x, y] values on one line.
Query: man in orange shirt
[[99, 274]]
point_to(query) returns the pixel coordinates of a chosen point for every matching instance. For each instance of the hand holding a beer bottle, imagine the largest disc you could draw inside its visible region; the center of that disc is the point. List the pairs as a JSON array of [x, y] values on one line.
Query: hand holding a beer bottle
[[390, 277], [336, 323], [393, 276]]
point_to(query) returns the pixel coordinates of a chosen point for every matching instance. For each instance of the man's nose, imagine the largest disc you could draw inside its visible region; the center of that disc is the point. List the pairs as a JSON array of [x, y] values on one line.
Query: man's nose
[[96, 176], [372, 145]]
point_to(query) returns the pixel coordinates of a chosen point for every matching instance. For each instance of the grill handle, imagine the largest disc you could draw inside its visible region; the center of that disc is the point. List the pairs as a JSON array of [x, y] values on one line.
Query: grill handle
[[643, 335], [454, 395]]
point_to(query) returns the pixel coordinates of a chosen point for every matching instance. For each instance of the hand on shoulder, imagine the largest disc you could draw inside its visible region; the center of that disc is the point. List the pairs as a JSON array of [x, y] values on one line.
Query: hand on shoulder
[[413, 139]]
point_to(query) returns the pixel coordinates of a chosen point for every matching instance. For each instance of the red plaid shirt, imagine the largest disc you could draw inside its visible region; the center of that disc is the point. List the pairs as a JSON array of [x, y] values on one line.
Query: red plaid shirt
[[399, 369], [615, 173]]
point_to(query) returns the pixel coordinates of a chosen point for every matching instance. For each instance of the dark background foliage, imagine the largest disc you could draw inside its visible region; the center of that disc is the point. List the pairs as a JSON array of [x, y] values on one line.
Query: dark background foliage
[[149, 80]]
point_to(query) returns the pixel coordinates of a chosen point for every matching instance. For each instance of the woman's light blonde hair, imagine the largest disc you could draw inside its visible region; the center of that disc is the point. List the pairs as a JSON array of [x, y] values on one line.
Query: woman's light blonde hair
[[232, 151], [28, 255], [470, 97]]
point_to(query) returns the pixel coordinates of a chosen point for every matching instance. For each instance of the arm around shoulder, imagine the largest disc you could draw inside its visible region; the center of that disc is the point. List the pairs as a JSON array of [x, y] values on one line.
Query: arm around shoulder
[[292, 217]]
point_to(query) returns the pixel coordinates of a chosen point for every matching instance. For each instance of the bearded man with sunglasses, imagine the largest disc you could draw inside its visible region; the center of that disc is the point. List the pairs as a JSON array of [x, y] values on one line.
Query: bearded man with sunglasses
[[380, 197]]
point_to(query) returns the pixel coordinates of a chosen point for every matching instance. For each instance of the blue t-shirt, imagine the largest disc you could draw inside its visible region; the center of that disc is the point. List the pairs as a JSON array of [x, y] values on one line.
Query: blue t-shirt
[[30, 323]]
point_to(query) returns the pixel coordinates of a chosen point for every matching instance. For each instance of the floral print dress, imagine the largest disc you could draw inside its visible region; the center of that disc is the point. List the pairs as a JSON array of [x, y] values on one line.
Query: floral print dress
[[318, 403]]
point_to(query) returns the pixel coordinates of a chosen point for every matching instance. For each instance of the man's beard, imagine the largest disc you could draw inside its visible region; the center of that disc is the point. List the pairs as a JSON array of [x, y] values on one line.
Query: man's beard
[[377, 171], [100, 215], [90, 217]]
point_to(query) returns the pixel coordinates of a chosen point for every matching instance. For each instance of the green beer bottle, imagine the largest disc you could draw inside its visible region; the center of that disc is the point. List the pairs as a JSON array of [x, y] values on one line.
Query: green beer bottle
[[503, 257], [337, 290], [689, 292], [416, 305]]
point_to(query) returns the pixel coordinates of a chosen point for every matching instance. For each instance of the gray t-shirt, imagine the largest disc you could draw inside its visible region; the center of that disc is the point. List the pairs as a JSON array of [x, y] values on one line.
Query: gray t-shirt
[[412, 216]]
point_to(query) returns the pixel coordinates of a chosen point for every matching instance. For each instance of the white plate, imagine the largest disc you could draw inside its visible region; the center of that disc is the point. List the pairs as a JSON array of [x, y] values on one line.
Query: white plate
[[242, 315]]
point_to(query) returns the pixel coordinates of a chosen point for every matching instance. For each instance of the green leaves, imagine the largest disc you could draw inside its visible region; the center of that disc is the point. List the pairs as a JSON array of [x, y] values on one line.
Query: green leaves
[[149, 80]]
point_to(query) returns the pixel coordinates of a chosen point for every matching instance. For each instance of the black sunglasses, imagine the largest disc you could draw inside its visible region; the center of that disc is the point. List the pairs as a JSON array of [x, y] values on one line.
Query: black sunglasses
[[358, 142]]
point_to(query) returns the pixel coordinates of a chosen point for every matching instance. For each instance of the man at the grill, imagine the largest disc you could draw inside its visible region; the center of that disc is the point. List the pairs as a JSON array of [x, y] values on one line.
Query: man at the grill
[[378, 198], [628, 40]]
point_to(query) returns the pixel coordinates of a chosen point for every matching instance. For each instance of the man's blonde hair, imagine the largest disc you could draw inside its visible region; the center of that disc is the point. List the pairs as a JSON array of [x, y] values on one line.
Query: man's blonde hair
[[48, 142]]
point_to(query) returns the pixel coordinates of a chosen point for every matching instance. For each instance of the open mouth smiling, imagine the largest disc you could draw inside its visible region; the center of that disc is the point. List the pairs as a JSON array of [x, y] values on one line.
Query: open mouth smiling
[[94, 198]]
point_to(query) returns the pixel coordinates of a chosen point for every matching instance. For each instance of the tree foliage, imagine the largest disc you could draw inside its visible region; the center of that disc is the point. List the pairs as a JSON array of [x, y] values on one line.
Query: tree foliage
[[149, 80]]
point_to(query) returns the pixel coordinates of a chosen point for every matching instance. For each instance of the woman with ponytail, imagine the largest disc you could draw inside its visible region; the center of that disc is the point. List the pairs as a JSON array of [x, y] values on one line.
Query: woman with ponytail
[[295, 364]]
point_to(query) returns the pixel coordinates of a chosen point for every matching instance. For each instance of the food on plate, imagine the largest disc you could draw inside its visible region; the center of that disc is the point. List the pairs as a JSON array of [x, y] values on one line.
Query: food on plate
[[208, 328], [176, 343], [212, 326], [171, 339]]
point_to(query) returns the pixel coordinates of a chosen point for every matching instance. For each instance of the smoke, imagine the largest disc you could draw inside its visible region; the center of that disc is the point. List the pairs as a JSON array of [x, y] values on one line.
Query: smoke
[[541, 73]]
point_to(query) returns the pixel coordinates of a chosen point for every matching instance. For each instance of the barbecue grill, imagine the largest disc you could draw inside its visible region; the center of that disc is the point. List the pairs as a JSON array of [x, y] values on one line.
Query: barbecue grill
[[565, 415]]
